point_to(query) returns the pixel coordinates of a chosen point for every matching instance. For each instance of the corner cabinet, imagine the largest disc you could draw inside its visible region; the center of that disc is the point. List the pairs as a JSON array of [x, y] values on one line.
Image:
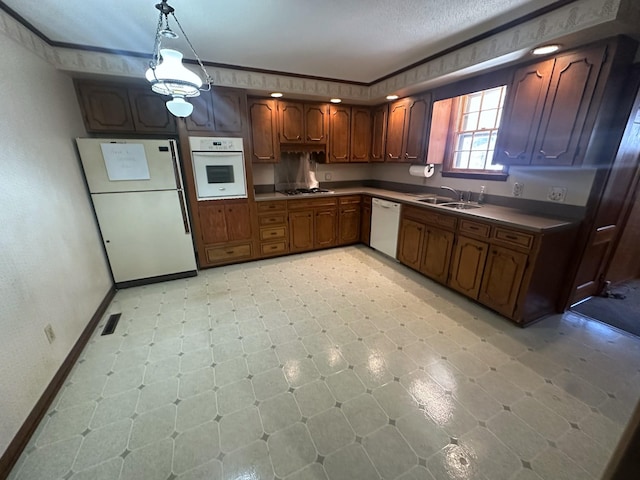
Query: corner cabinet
[[312, 224], [263, 122], [408, 129]]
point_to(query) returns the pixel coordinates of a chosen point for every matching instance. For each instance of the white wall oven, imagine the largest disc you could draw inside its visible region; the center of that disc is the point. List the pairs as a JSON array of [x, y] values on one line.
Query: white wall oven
[[218, 167]]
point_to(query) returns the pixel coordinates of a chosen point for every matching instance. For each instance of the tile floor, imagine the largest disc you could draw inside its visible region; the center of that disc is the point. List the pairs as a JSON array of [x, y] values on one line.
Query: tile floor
[[337, 364]]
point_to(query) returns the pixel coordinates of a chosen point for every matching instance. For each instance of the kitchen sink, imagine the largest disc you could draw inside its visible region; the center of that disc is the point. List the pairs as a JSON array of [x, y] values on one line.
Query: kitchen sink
[[435, 200], [460, 205]]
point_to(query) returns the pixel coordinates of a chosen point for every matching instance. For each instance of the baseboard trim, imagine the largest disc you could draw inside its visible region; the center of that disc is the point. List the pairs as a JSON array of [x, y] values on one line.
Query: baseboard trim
[[19, 442]]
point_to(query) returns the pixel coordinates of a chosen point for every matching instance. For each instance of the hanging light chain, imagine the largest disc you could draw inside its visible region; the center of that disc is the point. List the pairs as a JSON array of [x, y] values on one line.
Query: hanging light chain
[[156, 47], [209, 80]]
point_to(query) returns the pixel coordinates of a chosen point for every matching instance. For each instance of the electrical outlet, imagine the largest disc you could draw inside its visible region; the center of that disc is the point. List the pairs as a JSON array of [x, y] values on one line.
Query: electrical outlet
[[557, 194], [48, 331], [327, 176], [518, 188]]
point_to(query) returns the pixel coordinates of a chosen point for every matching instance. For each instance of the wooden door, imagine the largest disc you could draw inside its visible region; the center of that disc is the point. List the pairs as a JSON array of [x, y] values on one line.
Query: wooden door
[[201, 119], [238, 219], [212, 222], [522, 113], [263, 115], [398, 117], [438, 245], [301, 230], [291, 122], [349, 224], [467, 265], [316, 122], [325, 228], [571, 90], [360, 134], [416, 131], [105, 107], [149, 112], [503, 274], [410, 241], [339, 133], [378, 132], [229, 108]]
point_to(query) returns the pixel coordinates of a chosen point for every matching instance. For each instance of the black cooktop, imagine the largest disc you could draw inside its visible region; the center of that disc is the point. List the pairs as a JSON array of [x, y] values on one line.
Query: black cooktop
[[304, 191]]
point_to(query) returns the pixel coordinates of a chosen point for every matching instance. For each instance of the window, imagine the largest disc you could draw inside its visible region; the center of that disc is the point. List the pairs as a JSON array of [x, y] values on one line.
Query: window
[[473, 133]]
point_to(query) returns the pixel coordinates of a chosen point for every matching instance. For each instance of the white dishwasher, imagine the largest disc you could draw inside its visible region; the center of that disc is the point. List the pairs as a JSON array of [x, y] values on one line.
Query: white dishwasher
[[385, 219]]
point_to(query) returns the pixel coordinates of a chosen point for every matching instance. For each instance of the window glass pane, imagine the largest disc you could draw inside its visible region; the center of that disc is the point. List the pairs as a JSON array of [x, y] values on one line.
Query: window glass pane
[[469, 122], [473, 102], [461, 160], [492, 142], [464, 141], [491, 98], [490, 166], [480, 140], [477, 160], [499, 117], [487, 119]]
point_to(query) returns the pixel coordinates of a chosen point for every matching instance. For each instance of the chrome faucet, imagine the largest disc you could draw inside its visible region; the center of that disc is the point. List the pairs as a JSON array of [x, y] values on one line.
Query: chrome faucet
[[458, 195]]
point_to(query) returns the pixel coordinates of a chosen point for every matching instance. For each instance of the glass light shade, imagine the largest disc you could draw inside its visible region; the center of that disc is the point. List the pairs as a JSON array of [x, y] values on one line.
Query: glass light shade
[[172, 78], [179, 107]]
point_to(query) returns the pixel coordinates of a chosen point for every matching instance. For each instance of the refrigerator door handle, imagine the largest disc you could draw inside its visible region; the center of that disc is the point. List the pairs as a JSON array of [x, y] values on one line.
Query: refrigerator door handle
[[183, 209], [174, 161]]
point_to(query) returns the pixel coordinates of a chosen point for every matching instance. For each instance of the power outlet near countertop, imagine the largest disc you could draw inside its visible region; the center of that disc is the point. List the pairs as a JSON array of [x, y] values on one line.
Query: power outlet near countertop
[[518, 189], [557, 194]]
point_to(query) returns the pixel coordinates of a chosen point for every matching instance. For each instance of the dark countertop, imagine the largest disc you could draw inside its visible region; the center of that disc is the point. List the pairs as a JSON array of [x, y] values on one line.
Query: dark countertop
[[509, 217]]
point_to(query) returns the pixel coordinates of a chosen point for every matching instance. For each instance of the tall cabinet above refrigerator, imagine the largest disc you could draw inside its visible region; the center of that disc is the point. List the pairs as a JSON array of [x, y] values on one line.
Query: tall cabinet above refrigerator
[[137, 192]]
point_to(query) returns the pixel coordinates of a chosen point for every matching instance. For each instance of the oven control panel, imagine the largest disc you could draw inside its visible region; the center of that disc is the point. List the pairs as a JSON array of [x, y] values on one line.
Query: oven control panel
[[215, 144]]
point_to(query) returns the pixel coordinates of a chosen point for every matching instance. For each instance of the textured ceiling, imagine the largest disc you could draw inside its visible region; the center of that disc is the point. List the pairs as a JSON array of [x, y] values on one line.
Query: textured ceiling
[[354, 40]]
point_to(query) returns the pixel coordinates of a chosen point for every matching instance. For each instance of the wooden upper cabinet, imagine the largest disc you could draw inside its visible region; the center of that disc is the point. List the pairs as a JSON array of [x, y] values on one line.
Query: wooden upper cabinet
[[303, 122], [263, 117], [408, 128], [339, 133], [316, 123], [149, 112], [361, 131], [545, 121], [291, 122], [378, 132], [105, 107], [220, 111]]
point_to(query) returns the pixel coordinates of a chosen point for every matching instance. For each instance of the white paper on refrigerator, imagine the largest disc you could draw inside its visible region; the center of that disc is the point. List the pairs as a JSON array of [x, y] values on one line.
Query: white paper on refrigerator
[[125, 161]]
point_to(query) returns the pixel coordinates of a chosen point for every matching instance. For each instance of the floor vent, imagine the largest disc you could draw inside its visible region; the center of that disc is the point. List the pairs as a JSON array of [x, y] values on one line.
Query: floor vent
[[112, 323]]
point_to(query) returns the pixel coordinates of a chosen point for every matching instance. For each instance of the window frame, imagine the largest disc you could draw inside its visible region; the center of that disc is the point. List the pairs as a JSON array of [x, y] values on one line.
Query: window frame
[[454, 121]]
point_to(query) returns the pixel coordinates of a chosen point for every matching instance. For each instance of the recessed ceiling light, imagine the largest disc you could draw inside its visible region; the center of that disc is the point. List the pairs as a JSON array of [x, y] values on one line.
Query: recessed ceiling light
[[276, 94], [545, 49], [335, 100], [392, 97]]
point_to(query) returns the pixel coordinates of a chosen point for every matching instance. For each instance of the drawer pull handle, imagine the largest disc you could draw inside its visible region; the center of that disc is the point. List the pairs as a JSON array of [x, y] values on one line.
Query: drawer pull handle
[[273, 233], [511, 237], [274, 247], [471, 227], [230, 252]]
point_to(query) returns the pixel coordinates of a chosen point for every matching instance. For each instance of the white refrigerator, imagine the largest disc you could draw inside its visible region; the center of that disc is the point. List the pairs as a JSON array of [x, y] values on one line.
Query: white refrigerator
[[137, 192]]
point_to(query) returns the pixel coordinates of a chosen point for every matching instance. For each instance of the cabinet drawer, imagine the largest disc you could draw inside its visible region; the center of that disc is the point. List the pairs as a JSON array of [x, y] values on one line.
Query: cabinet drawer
[[312, 203], [272, 219], [474, 228], [221, 254], [273, 248], [273, 233], [429, 216], [273, 206], [351, 199], [519, 239]]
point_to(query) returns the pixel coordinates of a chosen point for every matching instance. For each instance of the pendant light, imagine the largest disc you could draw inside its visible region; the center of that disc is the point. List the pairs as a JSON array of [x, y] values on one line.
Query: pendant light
[[167, 74]]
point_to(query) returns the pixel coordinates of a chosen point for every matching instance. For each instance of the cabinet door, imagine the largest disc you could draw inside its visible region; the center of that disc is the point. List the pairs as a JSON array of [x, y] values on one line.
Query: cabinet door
[[438, 245], [291, 122], [228, 111], [378, 132], [349, 224], [416, 131], [339, 133], [365, 225], [263, 115], [398, 113], [360, 134], [571, 90], [301, 231], [201, 119], [467, 266], [522, 113], [316, 123], [105, 107], [325, 228], [212, 222], [149, 111], [502, 279], [238, 219], [410, 241]]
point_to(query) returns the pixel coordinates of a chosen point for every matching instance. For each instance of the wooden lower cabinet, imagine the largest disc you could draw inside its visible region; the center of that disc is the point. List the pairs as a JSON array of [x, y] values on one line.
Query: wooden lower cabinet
[[365, 220], [467, 266], [349, 220], [436, 257], [325, 226], [410, 239], [502, 279], [273, 228], [301, 231]]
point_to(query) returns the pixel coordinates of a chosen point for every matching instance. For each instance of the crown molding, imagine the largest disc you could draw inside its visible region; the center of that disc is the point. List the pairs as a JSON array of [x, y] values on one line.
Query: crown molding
[[508, 46]]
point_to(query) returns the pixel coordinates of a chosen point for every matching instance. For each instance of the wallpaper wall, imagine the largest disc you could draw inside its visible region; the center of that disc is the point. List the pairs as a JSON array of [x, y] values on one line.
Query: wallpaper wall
[[52, 266]]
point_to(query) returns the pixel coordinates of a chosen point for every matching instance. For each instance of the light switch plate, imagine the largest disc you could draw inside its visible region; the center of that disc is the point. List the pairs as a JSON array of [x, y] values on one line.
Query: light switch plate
[[557, 194]]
